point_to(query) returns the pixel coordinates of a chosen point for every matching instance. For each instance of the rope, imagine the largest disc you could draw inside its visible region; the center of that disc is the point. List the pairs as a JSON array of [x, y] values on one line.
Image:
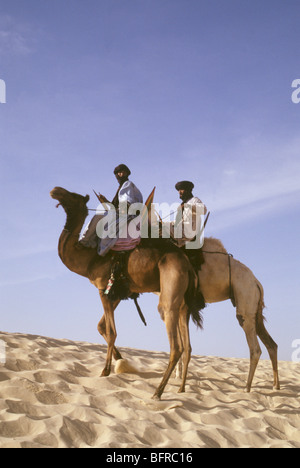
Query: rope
[[229, 267]]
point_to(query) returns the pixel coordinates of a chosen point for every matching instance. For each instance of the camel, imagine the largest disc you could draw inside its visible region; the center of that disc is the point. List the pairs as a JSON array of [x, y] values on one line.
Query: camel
[[221, 278], [149, 269]]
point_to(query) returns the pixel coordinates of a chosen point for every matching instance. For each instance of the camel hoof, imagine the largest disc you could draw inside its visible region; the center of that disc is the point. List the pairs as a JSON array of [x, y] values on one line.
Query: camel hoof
[[117, 356], [105, 373], [247, 390], [156, 397], [181, 390]]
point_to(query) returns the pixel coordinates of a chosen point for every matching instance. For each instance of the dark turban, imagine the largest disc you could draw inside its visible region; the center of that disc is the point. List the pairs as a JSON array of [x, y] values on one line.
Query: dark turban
[[122, 168], [184, 185]]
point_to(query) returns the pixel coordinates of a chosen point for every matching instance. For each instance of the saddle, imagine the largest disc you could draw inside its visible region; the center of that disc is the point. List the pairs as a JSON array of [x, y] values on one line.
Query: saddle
[[195, 257]]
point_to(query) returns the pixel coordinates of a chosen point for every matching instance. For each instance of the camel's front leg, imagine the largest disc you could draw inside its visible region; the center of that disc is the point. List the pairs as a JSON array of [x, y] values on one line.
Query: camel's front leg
[[171, 320], [111, 333], [102, 330]]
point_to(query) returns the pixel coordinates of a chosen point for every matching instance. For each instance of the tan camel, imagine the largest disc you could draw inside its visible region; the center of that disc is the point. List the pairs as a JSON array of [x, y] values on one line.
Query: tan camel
[[149, 270], [222, 277]]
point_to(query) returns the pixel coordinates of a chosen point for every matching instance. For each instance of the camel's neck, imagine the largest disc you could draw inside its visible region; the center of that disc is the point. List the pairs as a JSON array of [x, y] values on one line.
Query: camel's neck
[[75, 257]]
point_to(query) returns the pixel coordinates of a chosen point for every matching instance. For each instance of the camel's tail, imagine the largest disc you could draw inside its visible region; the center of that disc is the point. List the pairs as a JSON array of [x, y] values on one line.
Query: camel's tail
[[194, 300]]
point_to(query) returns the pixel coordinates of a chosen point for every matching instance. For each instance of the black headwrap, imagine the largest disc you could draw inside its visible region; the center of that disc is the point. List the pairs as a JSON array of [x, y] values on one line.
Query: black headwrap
[[122, 168], [184, 185]]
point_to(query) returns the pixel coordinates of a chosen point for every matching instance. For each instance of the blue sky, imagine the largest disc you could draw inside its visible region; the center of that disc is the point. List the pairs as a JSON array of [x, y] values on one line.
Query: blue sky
[[176, 89]]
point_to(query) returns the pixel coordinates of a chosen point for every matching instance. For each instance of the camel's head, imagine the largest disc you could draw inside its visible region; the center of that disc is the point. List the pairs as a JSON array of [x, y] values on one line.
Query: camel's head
[[69, 200]]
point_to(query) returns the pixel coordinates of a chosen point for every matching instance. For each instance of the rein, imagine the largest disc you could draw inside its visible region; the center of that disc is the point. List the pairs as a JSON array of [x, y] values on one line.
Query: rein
[[96, 209]]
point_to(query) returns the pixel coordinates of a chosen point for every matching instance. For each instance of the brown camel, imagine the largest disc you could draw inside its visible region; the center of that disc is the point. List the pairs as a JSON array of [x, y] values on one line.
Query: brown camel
[[148, 269], [221, 277]]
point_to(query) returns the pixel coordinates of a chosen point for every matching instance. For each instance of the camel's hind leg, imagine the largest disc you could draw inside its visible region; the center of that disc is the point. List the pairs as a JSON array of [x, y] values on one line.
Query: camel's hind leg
[[248, 324], [271, 347], [187, 350]]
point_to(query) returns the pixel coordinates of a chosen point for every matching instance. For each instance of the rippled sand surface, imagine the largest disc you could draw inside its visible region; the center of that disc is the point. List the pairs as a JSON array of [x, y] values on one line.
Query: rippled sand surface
[[51, 395]]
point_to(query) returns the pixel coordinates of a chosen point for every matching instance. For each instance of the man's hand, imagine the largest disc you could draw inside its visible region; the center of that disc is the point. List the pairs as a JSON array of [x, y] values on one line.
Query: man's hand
[[103, 199]]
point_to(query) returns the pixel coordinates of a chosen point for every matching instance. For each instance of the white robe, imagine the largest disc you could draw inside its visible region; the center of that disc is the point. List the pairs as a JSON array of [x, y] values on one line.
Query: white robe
[[187, 230], [115, 223]]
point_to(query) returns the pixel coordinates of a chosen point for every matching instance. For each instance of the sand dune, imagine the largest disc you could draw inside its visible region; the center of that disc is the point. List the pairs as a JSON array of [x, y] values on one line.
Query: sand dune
[[51, 395]]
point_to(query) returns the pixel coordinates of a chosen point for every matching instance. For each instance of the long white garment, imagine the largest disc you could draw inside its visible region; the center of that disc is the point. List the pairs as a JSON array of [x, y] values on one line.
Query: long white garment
[[188, 227], [128, 194]]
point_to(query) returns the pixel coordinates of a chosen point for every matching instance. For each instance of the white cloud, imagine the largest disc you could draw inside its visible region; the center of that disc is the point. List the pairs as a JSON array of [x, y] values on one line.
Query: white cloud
[[233, 217], [260, 176], [230, 172], [28, 279], [15, 38], [16, 252]]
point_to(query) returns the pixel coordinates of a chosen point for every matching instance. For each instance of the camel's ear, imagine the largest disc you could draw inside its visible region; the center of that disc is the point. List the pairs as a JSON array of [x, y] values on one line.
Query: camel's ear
[[86, 198]]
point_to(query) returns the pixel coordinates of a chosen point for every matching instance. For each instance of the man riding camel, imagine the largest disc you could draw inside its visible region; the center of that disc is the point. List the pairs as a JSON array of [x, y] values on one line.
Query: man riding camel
[[115, 219], [187, 229]]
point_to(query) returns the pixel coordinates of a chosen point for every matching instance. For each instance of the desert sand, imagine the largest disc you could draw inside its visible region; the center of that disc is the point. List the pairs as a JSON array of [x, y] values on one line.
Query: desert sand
[[51, 396]]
